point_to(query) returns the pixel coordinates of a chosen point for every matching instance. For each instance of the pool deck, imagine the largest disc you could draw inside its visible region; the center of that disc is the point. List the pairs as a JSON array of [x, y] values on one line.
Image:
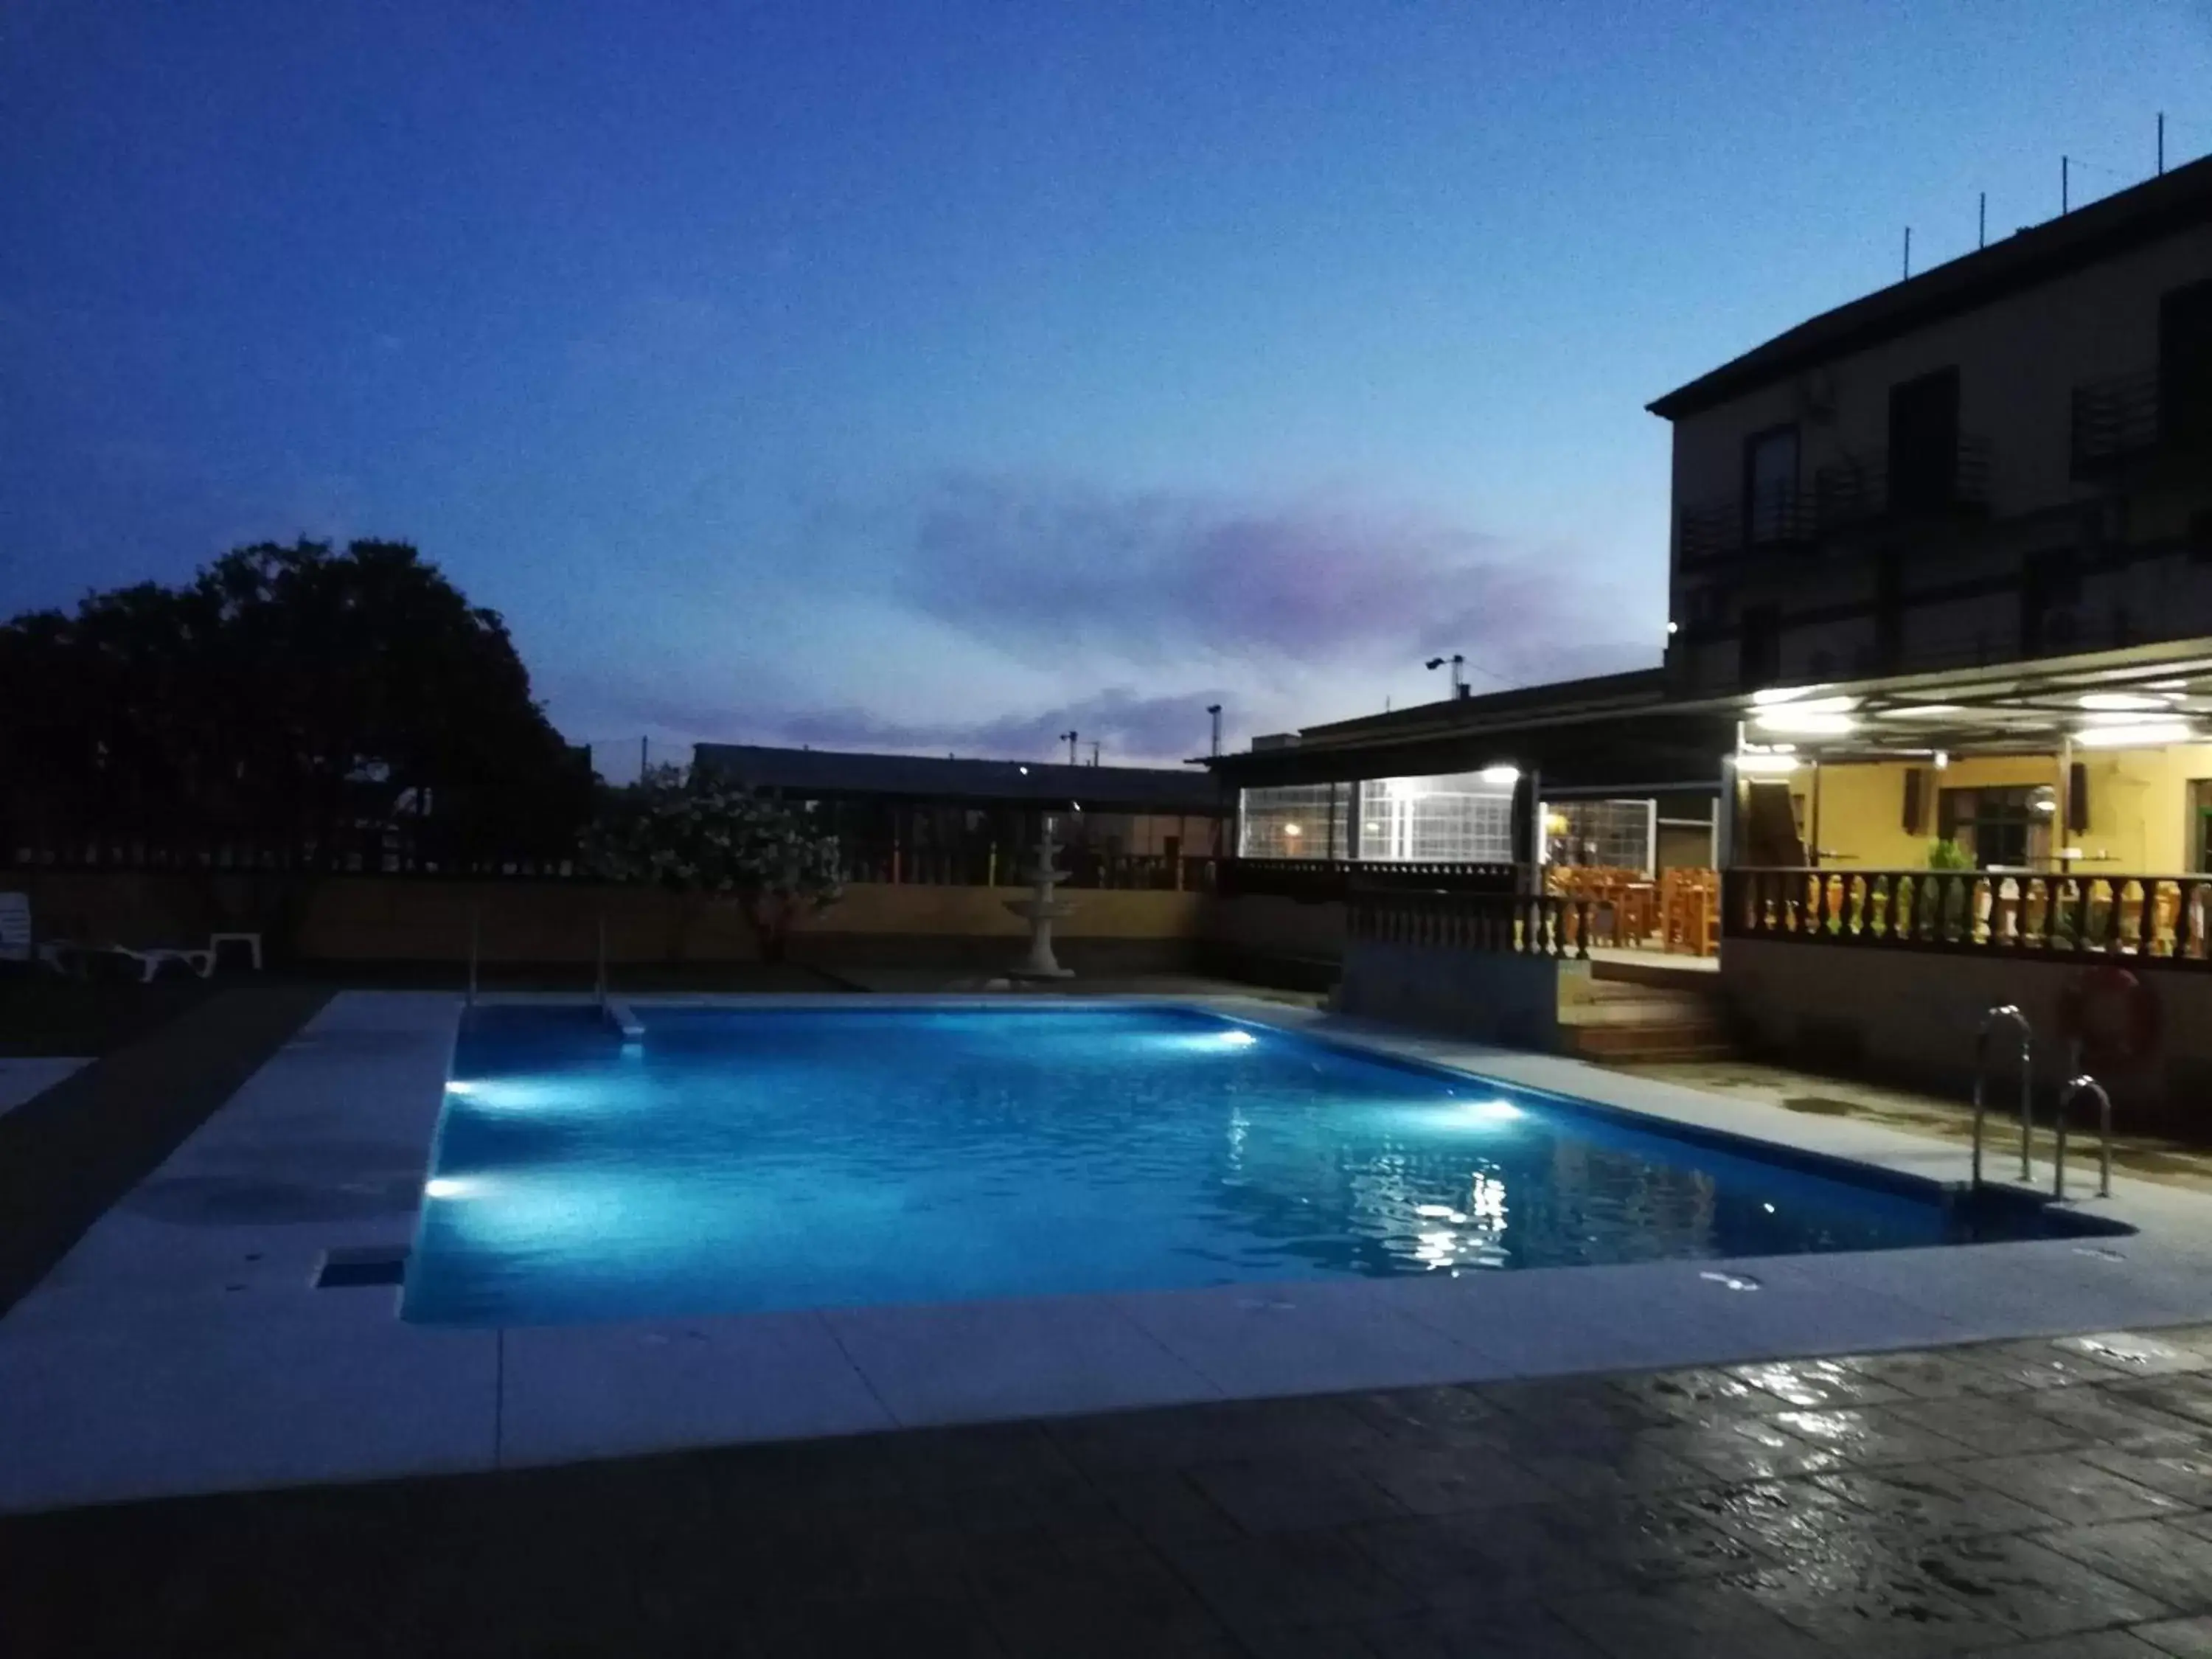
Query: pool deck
[[2036, 1500], [180, 1347]]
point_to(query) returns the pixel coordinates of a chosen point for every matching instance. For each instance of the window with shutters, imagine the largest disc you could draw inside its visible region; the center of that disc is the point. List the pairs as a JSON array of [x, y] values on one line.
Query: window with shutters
[[2004, 828]]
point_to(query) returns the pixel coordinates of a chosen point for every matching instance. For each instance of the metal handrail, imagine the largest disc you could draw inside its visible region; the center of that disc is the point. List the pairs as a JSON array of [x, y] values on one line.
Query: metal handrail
[[2084, 1084], [1994, 1017], [2115, 418]]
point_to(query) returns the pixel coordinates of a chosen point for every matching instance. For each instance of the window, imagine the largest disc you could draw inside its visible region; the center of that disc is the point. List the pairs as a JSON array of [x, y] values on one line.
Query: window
[[2185, 366], [1759, 651], [2199, 826], [1923, 442], [2049, 591], [1299, 821], [1453, 820], [1889, 611], [2003, 828], [1770, 486], [1612, 835]]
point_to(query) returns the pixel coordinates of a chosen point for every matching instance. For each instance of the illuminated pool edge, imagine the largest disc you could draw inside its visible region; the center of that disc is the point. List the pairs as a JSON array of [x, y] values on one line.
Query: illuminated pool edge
[[1997, 1216]]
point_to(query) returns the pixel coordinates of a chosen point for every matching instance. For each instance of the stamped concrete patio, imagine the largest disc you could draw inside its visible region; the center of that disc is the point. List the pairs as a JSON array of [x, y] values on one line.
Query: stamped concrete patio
[[2047, 1497], [2035, 1495]]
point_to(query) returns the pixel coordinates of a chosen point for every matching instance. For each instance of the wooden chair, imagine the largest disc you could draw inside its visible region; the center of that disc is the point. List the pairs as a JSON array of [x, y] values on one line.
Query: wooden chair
[[1624, 905], [1640, 912], [1690, 904]]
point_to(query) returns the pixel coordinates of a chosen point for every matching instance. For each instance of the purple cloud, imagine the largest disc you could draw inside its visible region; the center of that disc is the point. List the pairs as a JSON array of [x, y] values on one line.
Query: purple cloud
[[1130, 729], [1286, 613], [1127, 727], [1035, 569]]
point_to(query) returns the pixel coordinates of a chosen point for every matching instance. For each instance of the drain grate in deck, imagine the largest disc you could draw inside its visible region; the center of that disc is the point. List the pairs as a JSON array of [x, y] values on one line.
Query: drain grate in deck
[[371, 1264]]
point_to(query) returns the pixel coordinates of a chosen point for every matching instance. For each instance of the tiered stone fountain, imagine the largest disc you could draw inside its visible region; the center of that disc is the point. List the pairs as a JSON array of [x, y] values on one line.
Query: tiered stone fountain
[[1042, 909]]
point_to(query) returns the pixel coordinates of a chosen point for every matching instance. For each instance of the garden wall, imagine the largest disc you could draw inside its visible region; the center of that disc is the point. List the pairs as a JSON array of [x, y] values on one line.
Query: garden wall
[[1274, 940], [1910, 1017], [351, 919], [1492, 996]]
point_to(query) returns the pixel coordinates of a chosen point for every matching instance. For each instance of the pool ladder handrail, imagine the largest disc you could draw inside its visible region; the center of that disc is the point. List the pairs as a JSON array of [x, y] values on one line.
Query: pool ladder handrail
[[2083, 1084], [1999, 1015]]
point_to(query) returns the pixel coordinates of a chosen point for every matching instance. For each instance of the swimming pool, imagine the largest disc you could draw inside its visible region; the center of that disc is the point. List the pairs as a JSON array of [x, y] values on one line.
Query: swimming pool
[[744, 1160]]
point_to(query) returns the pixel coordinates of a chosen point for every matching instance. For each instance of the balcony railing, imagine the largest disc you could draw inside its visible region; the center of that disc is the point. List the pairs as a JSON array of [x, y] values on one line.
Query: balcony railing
[[1778, 521], [2151, 919], [1518, 924], [1847, 495], [1866, 491], [2151, 413], [1316, 881]]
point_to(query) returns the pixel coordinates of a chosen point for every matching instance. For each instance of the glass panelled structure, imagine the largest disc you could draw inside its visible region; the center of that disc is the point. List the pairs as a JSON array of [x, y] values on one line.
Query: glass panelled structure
[[1459, 818], [1455, 819], [1612, 835], [1299, 821]]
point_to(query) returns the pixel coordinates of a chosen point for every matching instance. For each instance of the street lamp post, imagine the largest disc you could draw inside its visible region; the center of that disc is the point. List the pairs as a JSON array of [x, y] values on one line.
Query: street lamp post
[[1458, 672]]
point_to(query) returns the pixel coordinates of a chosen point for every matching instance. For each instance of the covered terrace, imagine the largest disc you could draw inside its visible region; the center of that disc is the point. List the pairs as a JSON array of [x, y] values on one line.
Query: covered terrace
[[2061, 804], [2066, 799], [1600, 789]]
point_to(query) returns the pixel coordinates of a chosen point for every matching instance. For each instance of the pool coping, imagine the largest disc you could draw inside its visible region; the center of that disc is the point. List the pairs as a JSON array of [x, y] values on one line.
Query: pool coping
[[180, 1347]]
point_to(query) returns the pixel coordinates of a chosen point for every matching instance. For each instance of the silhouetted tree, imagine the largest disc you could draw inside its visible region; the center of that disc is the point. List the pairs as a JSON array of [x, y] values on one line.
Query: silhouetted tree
[[334, 702]]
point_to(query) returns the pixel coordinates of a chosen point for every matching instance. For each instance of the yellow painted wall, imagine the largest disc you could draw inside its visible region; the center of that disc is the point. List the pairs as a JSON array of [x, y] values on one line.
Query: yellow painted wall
[[2138, 805]]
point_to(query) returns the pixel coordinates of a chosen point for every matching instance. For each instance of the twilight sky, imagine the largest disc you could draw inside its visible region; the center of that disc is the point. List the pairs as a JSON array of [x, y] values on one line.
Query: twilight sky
[[940, 375]]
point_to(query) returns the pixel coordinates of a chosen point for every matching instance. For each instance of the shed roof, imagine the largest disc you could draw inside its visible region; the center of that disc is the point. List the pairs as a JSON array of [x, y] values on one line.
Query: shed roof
[[938, 777]]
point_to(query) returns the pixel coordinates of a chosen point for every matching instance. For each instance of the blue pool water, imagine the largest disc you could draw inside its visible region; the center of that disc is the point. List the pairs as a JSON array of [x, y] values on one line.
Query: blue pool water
[[746, 1160]]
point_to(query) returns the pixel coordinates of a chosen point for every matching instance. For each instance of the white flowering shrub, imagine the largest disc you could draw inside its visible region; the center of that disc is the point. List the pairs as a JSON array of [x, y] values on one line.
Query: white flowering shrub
[[721, 843]]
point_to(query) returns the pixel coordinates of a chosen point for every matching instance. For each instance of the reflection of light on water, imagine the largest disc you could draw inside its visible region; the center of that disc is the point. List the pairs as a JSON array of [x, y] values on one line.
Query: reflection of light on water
[[1203, 1042], [1487, 1199], [547, 1094], [586, 1220], [1472, 1235], [1433, 1119]]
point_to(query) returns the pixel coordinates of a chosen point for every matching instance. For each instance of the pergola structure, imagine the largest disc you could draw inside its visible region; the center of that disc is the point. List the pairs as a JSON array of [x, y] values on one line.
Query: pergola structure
[[1622, 731], [1616, 733], [2144, 698], [1624, 735]]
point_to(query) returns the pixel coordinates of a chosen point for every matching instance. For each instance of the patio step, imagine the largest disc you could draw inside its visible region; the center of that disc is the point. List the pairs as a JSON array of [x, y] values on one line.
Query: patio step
[[1601, 1004], [1624, 1020], [1655, 967], [1629, 1044]]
